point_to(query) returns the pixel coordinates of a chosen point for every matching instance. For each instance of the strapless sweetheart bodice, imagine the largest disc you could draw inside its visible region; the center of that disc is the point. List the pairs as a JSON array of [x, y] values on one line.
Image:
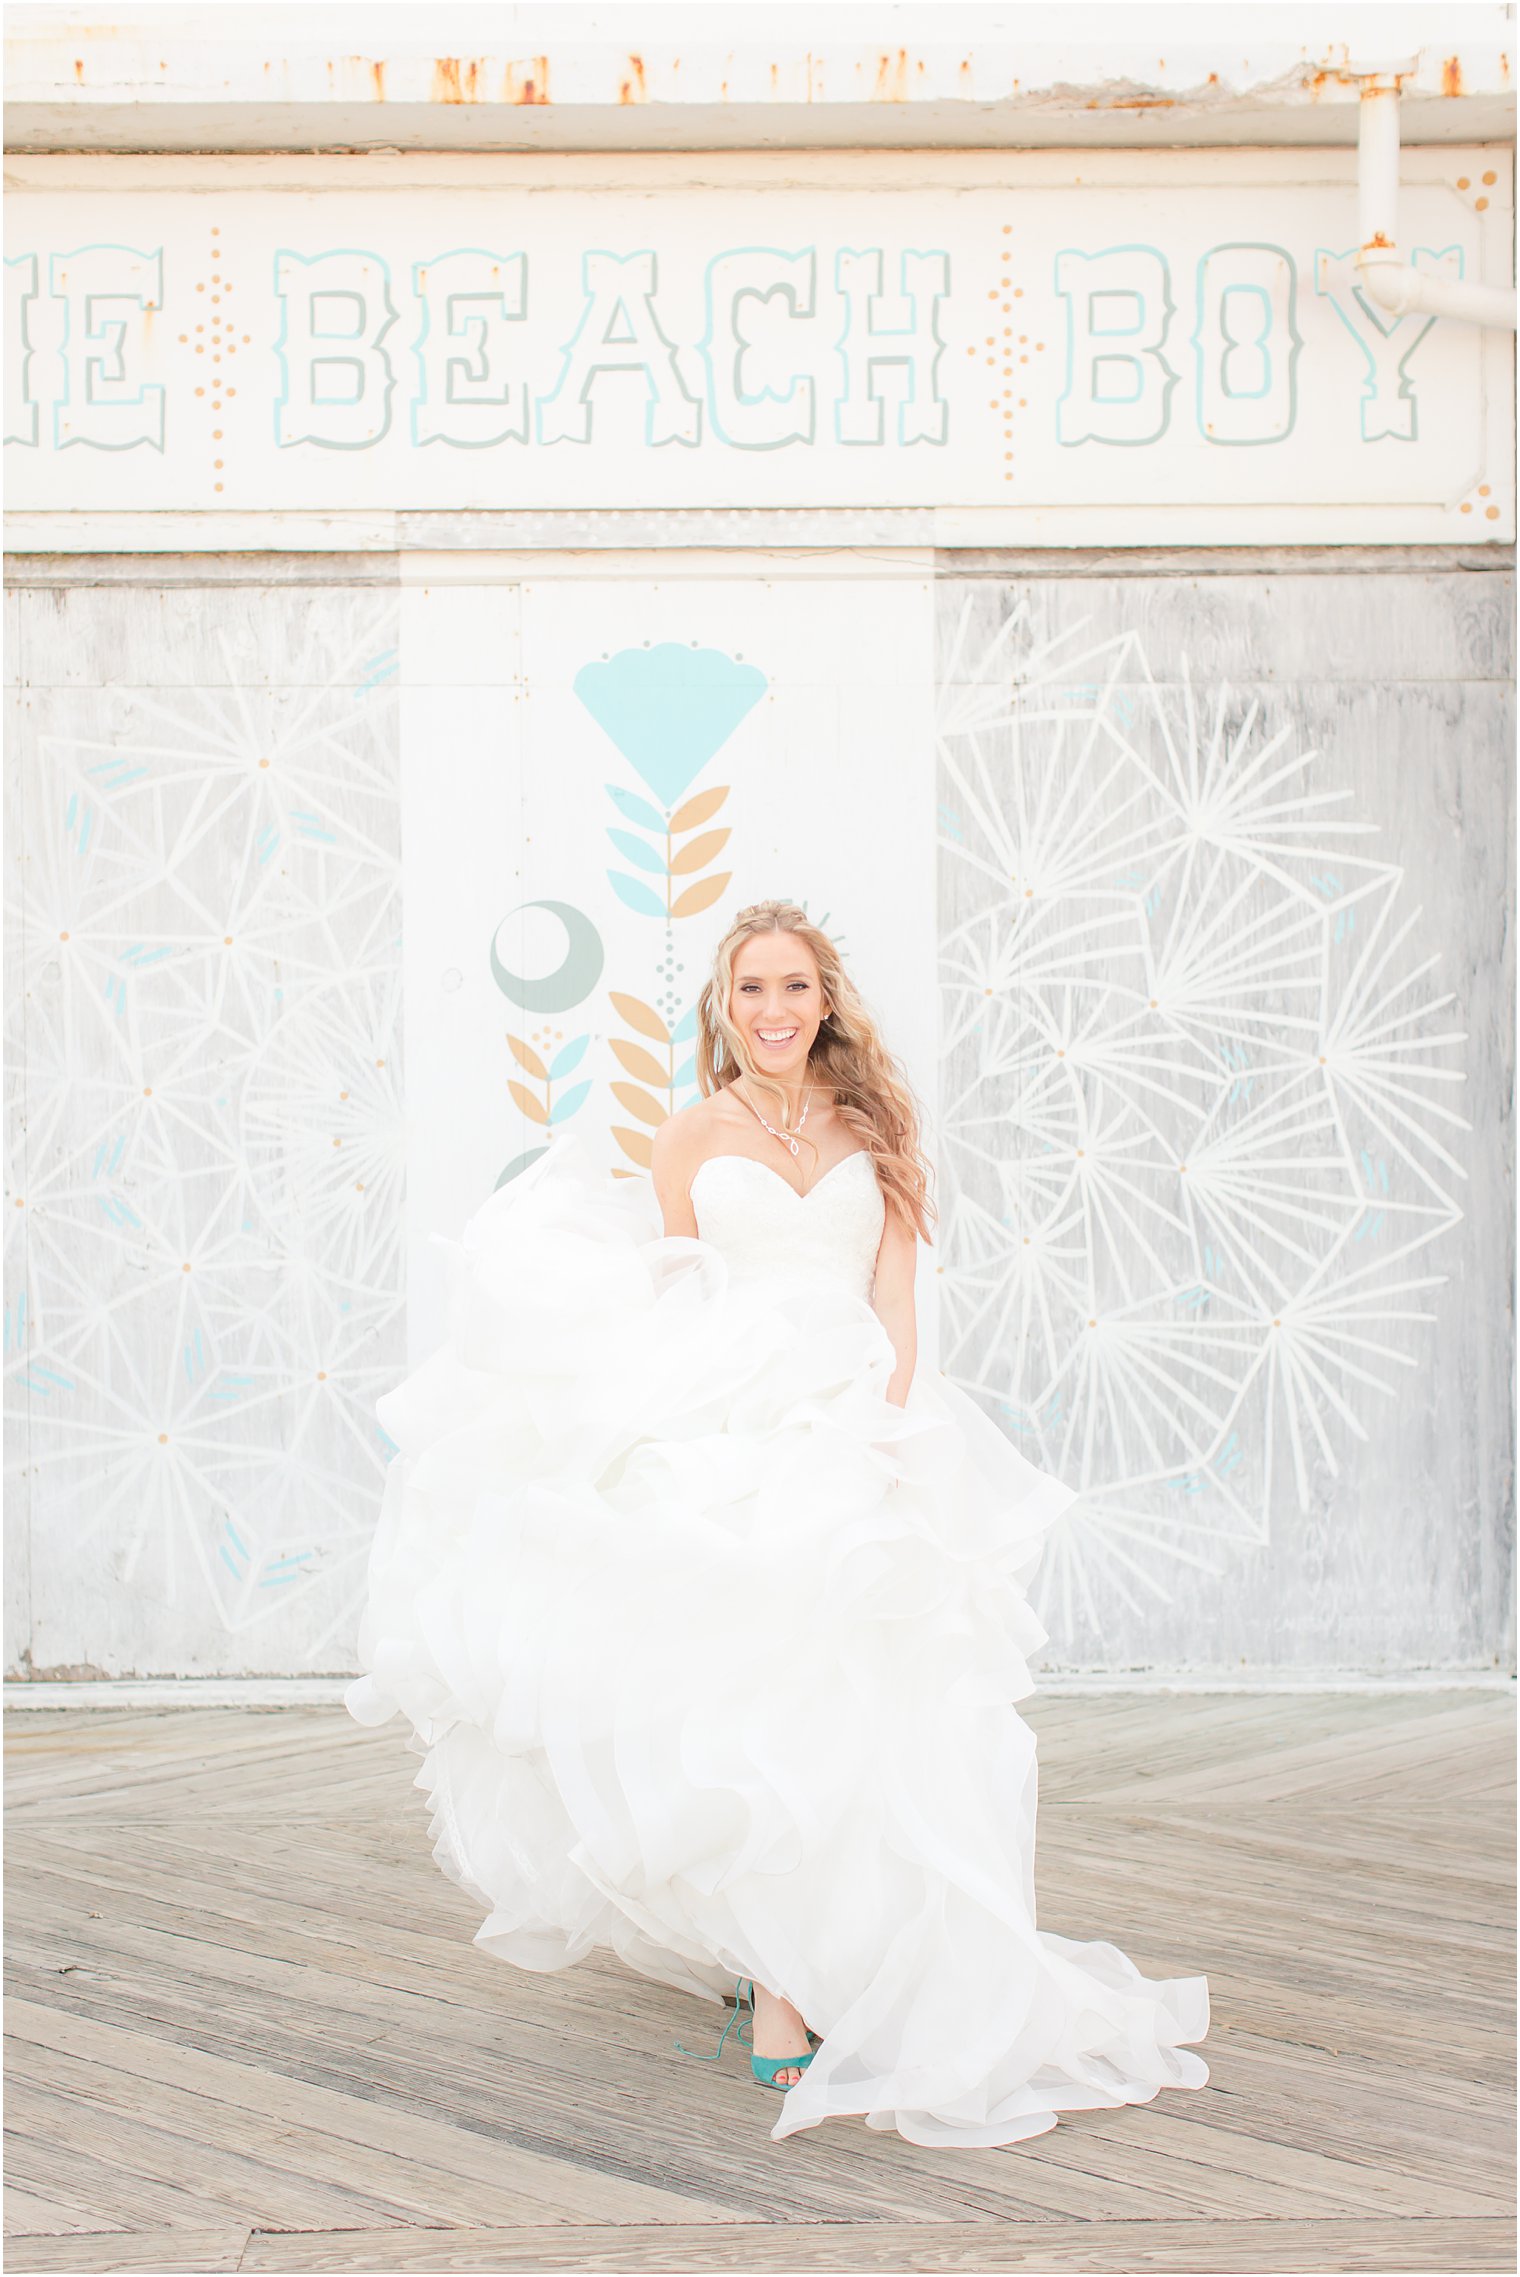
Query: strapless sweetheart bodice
[[765, 1227]]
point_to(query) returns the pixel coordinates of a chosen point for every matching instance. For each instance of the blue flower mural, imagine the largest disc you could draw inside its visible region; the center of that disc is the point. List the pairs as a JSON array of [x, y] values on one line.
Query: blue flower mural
[[669, 709]]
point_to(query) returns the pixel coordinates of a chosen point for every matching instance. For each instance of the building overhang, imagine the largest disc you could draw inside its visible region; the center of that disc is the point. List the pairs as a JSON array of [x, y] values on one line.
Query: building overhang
[[540, 77]]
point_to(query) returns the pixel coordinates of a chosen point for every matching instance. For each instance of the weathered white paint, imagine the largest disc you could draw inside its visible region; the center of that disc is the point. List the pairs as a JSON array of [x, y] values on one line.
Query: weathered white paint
[[204, 1214], [1389, 280], [1350, 1507], [1166, 345], [1226, 1101], [379, 530], [295, 1691], [564, 76], [193, 1456]]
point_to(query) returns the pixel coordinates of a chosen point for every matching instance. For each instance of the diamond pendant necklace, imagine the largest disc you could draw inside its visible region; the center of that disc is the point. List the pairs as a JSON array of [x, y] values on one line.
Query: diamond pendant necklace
[[785, 1136]]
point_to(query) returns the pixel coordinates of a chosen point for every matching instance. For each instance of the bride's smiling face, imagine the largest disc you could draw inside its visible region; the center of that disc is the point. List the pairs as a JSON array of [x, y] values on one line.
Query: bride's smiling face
[[776, 1001]]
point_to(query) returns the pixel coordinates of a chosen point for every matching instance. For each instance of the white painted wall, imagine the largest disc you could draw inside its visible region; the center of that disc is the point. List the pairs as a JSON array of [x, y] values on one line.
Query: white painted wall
[[258, 831], [296, 743], [205, 1170], [1225, 895]]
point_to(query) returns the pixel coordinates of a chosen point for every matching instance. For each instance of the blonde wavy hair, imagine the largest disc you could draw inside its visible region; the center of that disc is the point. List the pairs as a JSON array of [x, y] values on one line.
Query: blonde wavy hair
[[869, 1090]]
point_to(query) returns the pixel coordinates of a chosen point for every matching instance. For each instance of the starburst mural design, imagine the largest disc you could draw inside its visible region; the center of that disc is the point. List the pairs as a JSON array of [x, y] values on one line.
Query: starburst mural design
[[204, 1221], [1200, 1115]]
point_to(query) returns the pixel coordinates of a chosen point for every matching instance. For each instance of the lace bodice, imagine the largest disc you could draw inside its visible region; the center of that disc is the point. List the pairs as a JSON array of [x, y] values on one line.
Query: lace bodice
[[763, 1226]]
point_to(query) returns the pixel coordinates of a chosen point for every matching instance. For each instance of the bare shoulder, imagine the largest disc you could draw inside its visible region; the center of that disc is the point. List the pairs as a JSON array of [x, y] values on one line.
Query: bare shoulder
[[685, 1138], [680, 1146]]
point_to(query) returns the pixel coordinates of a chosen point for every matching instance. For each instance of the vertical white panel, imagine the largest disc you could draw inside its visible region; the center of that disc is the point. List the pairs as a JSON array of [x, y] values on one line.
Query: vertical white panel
[[797, 705]]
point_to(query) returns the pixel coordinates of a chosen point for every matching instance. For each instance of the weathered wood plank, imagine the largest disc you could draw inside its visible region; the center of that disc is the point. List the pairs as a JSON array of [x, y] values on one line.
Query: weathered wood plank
[[279, 2193], [29, 2216], [1102, 2249], [229, 2012], [549, 2190], [133, 2253], [110, 2196], [410, 2043], [1096, 2249]]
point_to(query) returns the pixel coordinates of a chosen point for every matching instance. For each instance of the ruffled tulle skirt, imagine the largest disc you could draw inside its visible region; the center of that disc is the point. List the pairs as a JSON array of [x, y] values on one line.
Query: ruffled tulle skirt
[[711, 1655]]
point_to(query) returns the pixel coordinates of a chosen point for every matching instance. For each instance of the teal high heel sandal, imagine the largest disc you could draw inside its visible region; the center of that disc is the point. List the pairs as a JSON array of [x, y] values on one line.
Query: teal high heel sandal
[[764, 2068]]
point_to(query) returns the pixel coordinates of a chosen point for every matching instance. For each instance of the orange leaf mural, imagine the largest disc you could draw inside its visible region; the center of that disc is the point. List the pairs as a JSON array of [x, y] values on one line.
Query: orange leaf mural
[[640, 1063], [699, 853], [640, 1016], [639, 1103], [700, 896], [527, 1057], [698, 809], [534, 1109]]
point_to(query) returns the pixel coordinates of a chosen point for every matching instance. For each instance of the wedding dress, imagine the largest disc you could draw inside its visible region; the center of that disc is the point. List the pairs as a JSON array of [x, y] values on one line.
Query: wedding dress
[[710, 1650]]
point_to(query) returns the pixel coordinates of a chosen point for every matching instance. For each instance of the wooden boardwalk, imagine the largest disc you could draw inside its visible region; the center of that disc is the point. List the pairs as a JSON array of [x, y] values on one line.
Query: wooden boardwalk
[[248, 2029]]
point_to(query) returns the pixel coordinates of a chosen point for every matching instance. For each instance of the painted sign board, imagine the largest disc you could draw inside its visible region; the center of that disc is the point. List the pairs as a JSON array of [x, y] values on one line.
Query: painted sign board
[[1109, 334]]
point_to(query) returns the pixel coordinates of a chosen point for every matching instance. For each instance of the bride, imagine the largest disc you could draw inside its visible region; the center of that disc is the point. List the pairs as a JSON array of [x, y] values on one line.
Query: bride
[[708, 1609]]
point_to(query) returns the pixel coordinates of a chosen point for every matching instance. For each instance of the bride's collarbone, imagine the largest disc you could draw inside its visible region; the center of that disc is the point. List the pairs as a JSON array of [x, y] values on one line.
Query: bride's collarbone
[[825, 1145]]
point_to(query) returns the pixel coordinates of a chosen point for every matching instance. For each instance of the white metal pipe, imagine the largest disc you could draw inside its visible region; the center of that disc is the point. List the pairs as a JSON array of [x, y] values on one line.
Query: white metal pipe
[[1393, 283], [1377, 165], [1399, 290]]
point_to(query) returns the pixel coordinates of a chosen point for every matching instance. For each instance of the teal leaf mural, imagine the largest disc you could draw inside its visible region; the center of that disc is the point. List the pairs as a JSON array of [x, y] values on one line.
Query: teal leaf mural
[[634, 808], [638, 851], [568, 1101], [637, 896], [567, 1057], [519, 1164]]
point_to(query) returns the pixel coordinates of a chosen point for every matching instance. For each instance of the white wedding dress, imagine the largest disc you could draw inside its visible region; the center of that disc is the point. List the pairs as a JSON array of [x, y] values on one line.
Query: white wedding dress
[[710, 1650]]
